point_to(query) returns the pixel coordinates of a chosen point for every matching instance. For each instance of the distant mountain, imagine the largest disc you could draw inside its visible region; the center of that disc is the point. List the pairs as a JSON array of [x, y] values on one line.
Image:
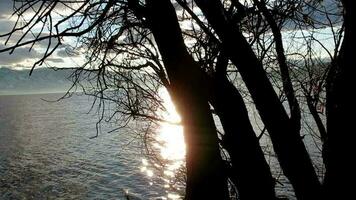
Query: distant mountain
[[41, 81]]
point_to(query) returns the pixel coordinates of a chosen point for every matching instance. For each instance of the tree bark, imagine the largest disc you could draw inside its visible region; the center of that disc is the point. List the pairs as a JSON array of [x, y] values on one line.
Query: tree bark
[[340, 159], [287, 143], [249, 171], [205, 174]]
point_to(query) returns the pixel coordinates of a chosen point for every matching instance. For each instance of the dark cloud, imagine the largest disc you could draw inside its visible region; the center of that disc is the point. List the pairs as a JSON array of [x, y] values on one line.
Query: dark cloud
[[19, 55], [67, 52], [55, 60], [6, 25], [62, 53], [22, 53], [6, 8]]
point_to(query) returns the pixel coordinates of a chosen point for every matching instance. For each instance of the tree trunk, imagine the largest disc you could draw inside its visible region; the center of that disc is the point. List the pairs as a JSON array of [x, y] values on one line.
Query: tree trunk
[[205, 177], [340, 159], [282, 61], [287, 143], [249, 171]]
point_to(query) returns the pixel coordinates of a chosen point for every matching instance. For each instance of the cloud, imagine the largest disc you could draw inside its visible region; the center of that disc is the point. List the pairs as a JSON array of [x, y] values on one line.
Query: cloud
[[67, 52], [62, 53], [55, 60], [6, 25], [19, 55], [22, 58], [22, 53], [5, 28], [6, 8]]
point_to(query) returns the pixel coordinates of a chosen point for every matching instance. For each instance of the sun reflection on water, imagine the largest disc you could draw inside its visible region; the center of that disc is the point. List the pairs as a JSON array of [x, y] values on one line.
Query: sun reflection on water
[[170, 145]]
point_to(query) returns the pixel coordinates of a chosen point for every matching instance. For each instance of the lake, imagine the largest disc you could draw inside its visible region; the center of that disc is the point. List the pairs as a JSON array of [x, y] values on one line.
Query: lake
[[47, 153]]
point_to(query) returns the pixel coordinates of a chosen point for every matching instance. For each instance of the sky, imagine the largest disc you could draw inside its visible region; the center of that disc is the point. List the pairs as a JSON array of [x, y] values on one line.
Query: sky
[[22, 58]]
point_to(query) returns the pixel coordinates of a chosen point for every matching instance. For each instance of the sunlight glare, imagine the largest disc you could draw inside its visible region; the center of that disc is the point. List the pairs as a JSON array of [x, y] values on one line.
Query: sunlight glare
[[169, 144], [170, 134]]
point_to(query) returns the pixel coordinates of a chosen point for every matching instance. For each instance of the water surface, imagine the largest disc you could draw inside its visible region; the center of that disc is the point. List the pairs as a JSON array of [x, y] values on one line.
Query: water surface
[[47, 153]]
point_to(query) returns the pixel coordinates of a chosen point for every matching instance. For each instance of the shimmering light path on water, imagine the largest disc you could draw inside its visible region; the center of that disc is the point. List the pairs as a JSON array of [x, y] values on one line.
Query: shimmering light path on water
[[46, 153]]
